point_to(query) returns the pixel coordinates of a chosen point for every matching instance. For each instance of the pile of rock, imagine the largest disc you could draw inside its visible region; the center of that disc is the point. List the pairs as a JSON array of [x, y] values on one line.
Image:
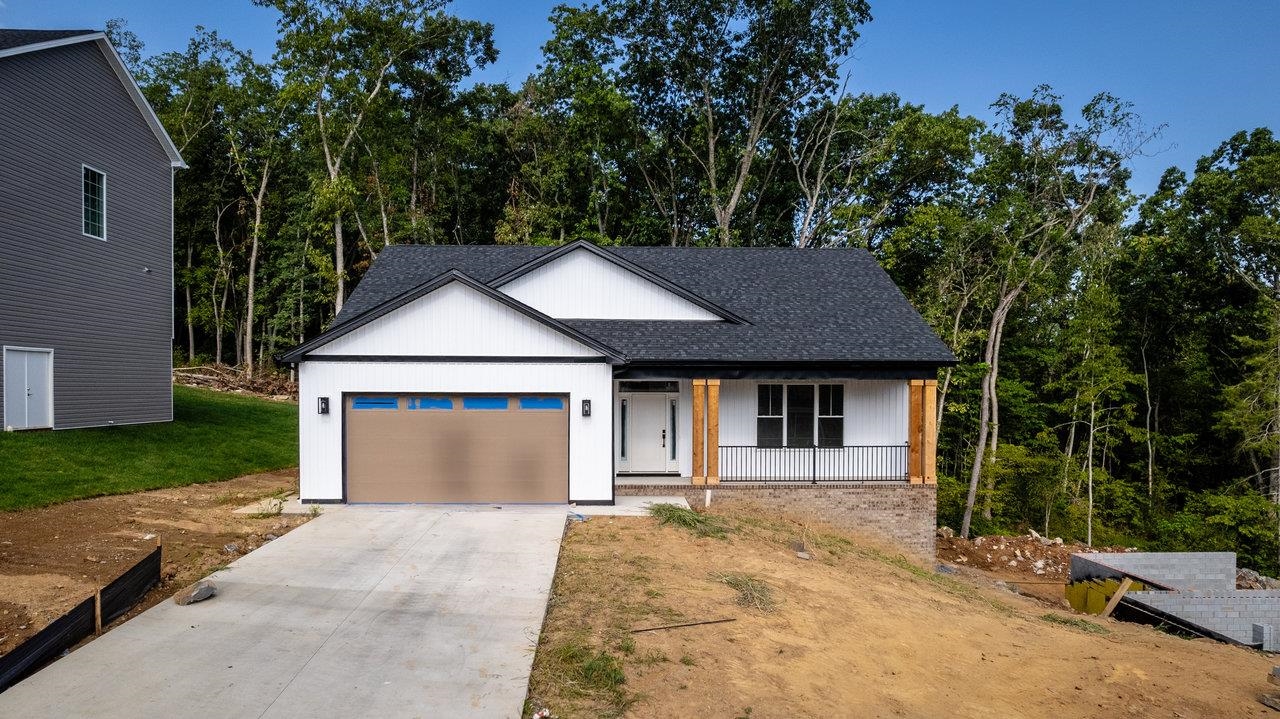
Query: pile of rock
[[1249, 579], [1028, 554]]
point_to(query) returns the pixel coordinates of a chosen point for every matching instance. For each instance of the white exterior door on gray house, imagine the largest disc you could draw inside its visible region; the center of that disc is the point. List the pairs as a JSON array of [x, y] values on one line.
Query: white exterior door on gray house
[[647, 436], [28, 388]]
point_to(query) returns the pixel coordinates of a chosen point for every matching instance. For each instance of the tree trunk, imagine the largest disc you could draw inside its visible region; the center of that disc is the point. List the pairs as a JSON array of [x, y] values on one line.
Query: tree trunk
[[1093, 415], [191, 325], [991, 355], [258, 201], [302, 287], [222, 315], [1151, 448], [248, 324], [217, 332], [339, 264], [995, 418], [984, 426], [1274, 489]]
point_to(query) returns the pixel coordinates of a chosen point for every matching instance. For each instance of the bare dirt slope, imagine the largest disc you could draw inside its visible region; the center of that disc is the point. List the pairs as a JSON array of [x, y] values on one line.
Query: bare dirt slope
[[53, 558], [855, 631]]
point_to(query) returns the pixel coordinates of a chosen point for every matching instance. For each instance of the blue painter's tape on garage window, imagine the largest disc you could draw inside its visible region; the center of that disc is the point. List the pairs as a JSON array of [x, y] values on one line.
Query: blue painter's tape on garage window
[[375, 403], [430, 403], [541, 403], [484, 402]]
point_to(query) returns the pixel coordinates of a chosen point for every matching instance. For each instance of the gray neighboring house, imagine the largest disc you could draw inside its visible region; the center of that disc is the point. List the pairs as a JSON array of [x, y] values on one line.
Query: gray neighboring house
[[86, 237]]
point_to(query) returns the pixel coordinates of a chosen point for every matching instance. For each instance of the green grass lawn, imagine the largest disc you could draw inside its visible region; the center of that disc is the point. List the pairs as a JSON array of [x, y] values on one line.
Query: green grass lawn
[[213, 436]]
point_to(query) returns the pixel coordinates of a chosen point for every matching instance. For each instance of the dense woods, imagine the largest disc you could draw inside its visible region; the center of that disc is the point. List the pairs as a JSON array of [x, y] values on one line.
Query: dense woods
[[1120, 355]]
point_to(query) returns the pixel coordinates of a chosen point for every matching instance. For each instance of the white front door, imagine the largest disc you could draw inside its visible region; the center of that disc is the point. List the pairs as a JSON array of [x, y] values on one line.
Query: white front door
[[647, 441], [28, 388]]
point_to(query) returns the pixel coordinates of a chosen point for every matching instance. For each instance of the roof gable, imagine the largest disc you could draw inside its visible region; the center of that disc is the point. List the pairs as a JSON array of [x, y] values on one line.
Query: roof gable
[[582, 281], [18, 42], [452, 316], [581, 284]]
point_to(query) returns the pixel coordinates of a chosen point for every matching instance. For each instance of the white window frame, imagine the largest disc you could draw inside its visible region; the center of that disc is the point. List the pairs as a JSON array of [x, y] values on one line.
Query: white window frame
[[782, 416], [817, 408], [84, 167], [818, 416]]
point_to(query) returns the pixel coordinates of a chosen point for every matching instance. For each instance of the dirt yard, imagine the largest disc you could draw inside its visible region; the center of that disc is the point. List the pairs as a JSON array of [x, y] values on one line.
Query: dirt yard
[[53, 558], [853, 631]]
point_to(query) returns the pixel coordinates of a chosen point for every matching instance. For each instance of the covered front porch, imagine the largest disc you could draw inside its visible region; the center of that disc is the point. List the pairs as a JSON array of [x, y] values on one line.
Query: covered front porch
[[774, 430]]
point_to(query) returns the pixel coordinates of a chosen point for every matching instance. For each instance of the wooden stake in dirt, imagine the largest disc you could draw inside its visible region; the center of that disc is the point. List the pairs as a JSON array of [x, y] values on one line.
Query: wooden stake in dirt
[[1115, 598], [1034, 581], [97, 612], [678, 626]]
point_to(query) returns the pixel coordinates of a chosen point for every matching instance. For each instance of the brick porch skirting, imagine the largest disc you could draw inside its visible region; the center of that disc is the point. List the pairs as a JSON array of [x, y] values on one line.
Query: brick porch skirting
[[903, 514]]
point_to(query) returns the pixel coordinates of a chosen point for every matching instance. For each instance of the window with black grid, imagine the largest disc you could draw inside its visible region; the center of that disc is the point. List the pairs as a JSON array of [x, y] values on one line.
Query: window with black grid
[[95, 203]]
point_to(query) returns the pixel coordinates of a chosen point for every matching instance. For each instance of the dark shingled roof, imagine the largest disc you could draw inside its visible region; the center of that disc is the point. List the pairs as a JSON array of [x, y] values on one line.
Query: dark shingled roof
[[11, 38], [832, 305]]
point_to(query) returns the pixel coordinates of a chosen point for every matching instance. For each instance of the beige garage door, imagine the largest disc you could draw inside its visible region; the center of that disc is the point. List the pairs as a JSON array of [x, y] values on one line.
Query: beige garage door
[[457, 448]]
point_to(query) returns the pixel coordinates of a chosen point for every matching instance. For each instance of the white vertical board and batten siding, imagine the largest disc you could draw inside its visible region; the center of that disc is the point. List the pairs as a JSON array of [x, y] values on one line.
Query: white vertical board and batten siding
[[581, 285], [456, 320], [875, 412], [110, 321]]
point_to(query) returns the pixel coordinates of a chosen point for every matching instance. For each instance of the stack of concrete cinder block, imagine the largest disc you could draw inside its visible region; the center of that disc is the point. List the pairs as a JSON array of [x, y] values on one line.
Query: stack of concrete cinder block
[[1196, 588]]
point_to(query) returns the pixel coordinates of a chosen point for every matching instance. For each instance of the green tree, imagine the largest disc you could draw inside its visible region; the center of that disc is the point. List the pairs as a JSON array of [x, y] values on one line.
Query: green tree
[[342, 58], [1042, 181], [258, 119], [717, 85]]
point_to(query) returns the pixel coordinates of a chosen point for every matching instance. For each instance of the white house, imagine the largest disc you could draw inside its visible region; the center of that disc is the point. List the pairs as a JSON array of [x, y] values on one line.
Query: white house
[[554, 375]]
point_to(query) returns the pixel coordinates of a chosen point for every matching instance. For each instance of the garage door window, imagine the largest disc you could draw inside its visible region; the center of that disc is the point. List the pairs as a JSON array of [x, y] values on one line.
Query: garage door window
[[484, 402], [541, 403], [375, 403], [436, 403]]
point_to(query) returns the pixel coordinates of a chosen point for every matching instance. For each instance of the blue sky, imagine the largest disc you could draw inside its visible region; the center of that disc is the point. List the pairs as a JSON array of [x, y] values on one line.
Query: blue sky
[[1204, 69]]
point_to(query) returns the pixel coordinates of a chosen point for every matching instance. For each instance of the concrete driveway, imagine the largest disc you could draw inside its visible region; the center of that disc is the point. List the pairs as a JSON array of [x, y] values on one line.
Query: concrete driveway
[[368, 611]]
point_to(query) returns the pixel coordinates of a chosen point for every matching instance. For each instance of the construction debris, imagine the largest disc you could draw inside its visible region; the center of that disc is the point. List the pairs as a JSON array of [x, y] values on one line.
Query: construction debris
[[1031, 555], [679, 626], [271, 385], [1249, 579]]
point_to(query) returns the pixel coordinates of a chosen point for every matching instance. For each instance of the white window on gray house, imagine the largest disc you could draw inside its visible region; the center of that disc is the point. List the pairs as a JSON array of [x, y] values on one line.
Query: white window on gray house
[[793, 415], [95, 203]]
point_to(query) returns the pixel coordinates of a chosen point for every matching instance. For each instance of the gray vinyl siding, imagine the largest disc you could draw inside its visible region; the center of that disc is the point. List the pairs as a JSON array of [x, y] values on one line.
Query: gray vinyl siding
[[108, 321]]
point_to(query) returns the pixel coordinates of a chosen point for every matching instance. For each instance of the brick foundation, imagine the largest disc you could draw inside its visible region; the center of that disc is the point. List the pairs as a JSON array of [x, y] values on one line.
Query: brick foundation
[[903, 514]]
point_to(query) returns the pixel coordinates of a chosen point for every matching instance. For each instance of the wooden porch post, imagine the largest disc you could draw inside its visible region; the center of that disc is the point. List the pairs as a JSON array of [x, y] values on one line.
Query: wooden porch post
[[930, 438], [915, 432], [713, 431], [699, 429]]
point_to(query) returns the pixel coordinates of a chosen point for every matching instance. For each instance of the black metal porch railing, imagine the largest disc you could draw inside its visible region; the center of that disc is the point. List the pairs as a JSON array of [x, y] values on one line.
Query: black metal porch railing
[[850, 463]]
